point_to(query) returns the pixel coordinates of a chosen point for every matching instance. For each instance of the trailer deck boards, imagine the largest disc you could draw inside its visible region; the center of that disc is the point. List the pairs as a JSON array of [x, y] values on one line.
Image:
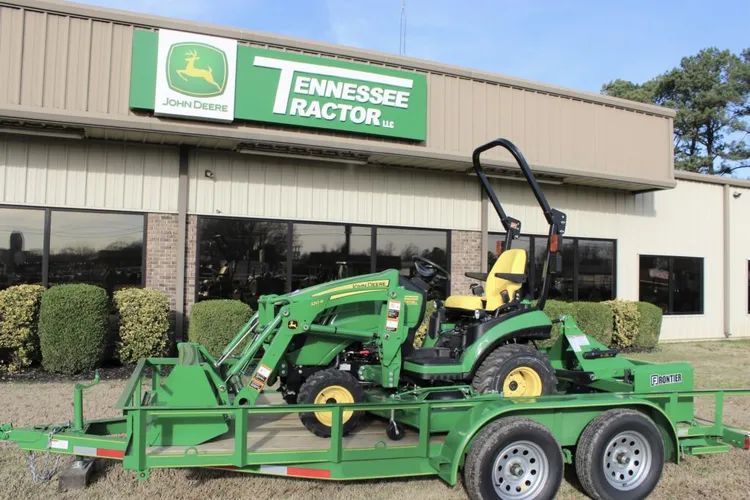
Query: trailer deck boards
[[273, 432]]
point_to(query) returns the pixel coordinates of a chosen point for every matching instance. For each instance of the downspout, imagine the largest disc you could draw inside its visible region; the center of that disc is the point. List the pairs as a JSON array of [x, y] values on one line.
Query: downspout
[[727, 260]]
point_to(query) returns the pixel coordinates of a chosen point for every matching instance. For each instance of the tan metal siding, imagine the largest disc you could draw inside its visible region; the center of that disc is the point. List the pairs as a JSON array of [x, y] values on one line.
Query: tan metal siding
[[648, 224], [739, 255], [82, 65], [88, 175], [253, 186]]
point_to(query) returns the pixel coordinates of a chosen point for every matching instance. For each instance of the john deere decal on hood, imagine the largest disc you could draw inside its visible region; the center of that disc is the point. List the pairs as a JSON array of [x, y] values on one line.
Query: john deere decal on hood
[[195, 78]]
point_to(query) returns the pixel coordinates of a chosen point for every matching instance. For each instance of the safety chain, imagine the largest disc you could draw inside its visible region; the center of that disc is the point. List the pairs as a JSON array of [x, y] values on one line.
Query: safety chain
[[43, 465]]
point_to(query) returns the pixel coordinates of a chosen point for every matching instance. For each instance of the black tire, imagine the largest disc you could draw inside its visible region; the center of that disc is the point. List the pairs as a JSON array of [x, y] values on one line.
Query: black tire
[[620, 455], [312, 389], [504, 360], [513, 458]]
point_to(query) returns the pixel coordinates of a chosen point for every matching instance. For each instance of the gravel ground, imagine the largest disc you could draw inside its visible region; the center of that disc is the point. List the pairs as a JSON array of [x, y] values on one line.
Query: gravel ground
[[25, 402]]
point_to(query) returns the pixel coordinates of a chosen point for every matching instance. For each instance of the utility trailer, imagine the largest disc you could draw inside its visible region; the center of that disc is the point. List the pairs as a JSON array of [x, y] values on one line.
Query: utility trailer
[[616, 424]]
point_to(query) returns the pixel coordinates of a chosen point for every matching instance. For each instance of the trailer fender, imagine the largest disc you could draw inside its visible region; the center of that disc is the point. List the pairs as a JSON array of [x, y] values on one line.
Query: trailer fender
[[458, 441]]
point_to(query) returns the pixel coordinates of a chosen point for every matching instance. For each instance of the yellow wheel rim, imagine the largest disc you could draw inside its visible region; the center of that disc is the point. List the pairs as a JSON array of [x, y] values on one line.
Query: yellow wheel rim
[[331, 395], [522, 382]]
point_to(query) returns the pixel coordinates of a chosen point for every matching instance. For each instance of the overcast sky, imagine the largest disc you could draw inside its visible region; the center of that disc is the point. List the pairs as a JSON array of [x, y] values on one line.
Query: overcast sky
[[575, 43]]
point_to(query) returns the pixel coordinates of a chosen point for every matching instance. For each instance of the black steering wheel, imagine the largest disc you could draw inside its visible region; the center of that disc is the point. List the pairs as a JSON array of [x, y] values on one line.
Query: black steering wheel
[[428, 270]]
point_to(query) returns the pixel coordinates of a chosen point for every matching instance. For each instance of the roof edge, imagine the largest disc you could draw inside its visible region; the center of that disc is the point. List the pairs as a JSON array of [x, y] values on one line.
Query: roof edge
[[711, 179], [152, 21]]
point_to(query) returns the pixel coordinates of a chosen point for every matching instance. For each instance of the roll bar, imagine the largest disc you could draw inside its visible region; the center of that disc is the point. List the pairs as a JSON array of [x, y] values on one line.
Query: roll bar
[[555, 218]]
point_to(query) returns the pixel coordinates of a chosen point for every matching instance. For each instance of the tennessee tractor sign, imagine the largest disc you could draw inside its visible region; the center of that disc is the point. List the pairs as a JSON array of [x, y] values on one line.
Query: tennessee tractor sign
[[201, 77]]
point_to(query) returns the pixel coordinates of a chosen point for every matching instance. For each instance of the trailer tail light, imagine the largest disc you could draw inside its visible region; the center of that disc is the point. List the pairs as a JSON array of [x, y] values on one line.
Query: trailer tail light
[[747, 442]]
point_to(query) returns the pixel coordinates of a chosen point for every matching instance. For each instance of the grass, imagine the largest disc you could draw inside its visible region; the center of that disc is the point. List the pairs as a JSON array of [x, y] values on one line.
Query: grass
[[717, 365]]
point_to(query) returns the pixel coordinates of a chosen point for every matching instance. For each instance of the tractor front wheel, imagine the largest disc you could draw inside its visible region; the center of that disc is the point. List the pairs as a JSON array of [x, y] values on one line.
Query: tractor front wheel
[[330, 386], [515, 370]]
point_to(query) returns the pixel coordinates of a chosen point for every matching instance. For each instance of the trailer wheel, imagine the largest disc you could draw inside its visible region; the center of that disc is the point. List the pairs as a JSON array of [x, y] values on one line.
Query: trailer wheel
[[620, 455], [515, 370], [329, 386], [513, 458]]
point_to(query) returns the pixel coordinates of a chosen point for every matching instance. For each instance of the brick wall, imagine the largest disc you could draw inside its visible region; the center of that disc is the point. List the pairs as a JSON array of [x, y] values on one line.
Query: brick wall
[[161, 254], [191, 260], [466, 256]]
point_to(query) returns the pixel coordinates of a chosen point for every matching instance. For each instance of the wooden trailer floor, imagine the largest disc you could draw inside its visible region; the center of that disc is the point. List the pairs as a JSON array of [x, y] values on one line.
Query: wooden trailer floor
[[284, 432]]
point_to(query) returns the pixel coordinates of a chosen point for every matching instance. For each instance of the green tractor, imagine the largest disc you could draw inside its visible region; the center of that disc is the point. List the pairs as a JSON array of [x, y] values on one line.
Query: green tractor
[[352, 340]]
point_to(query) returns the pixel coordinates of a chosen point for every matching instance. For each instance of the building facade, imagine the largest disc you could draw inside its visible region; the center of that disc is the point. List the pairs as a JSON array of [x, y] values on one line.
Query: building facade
[[211, 162]]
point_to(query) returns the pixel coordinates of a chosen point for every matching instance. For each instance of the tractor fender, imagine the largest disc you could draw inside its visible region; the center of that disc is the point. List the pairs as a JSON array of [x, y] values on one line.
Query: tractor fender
[[516, 327], [458, 440]]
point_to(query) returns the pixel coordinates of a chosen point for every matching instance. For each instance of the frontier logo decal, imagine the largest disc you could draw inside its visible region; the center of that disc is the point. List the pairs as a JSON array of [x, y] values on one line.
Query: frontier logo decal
[[674, 378], [197, 69], [195, 76]]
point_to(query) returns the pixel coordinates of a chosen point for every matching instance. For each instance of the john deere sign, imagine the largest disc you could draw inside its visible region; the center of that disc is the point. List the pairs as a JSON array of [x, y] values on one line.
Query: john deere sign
[[197, 81], [194, 76]]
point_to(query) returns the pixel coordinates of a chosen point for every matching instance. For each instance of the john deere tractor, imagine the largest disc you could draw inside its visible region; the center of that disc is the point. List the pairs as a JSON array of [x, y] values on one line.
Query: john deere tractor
[[352, 340]]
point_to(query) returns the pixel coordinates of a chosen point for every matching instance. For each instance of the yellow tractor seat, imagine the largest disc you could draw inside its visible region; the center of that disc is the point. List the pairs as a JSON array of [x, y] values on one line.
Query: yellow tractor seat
[[503, 281]]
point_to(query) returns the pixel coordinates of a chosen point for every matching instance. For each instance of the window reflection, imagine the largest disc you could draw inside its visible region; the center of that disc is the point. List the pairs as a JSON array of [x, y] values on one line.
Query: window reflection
[[588, 266], [100, 248], [675, 284], [21, 246], [241, 259], [596, 263], [324, 252], [396, 249]]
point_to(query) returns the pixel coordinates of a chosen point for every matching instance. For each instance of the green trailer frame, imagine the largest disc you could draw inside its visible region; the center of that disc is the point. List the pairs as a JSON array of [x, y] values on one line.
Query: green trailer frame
[[431, 451]]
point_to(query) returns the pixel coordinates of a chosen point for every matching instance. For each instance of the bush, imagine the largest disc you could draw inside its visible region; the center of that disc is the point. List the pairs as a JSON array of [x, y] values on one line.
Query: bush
[[649, 326], [214, 323], [73, 327], [419, 336], [626, 323], [19, 315], [554, 310], [144, 323], [595, 319]]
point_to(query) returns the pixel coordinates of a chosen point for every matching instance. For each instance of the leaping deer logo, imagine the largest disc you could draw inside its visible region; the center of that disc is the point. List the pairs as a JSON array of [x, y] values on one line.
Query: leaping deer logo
[[190, 70]]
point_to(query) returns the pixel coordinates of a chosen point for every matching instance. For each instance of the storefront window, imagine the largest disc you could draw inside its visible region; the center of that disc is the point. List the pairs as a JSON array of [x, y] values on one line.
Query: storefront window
[[588, 266], [241, 258], [21, 246], [245, 258], [396, 249], [675, 284], [596, 270], [496, 242], [105, 249], [324, 252]]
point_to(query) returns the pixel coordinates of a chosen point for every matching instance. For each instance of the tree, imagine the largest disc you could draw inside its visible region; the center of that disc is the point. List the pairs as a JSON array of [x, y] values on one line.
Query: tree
[[711, 93]]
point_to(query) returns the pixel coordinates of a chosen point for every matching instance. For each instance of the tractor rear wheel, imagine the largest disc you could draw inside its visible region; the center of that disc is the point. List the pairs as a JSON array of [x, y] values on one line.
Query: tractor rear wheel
[[330, 386], [515, 370]]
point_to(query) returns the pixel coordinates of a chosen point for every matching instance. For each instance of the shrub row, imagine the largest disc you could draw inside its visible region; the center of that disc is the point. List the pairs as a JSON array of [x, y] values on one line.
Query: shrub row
[[615, 323], [66, 326]]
